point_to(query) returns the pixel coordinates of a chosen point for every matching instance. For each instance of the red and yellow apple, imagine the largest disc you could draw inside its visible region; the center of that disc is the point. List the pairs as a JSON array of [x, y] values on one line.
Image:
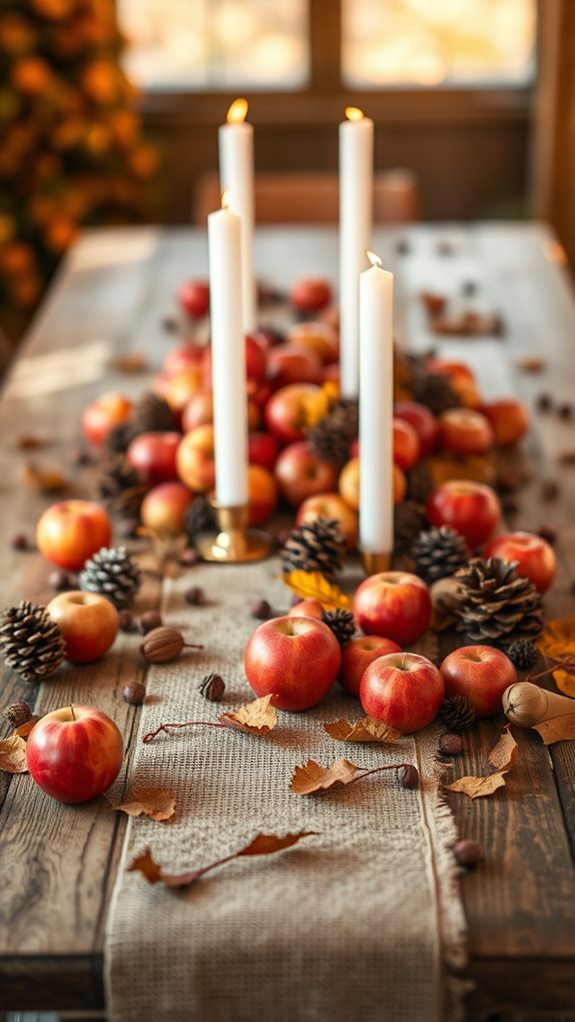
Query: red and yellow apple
[[295, 659], [263, 449], [153, 455], [69, 532], [309, 607], [333, 506], [286, 412], [423, 422], [102, 414], [319, 337], [291, 363], [534, 556], [194, 298], [185, 356], [88, 622], [472, 509], [301, 474], [509, 420], [75, 753], [404, 690], [405, 444], [195, 463], [349, 484], [181, 387], [199, 411], [262, 494], [394, 604], [164, 507], [481, 673], [358, 655], [465, 431], [310, 294]]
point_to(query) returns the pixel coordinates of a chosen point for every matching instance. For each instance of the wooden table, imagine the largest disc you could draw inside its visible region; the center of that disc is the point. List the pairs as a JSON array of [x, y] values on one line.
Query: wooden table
[[115, 289]]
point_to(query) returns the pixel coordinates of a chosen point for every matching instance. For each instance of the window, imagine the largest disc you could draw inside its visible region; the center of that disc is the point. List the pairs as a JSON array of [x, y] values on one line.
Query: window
[[438, 42], [216, 45]]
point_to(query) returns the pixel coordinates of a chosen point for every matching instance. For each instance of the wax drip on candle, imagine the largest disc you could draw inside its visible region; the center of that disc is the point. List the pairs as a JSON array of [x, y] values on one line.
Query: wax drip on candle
[[353, 113], [237, 112], [373, 258]]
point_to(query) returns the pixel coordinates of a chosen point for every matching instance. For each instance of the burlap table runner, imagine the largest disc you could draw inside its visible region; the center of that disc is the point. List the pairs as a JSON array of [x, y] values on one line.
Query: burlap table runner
[[361, 922]]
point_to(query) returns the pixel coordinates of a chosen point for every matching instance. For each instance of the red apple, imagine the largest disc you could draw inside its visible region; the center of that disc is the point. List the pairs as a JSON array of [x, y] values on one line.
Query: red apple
[[195, 459], [164, 507], [423, 422], [331, 505], [465, 431], [102, 414], [181, 387], [358, 655], [88, 622], [307, 608], [349, 483], [70, 531], [405, 445], [185, 356], [199, 411], [263, 450], [286, 411], [262, 494], [194, 298], [509, 420], [482, 673], [290, 363], [300, 473], [319, 337], [153, 455], [294, 658], [473, 509], [534, 556], [403, 690], [310, 294], [75, 753], [395, 604]]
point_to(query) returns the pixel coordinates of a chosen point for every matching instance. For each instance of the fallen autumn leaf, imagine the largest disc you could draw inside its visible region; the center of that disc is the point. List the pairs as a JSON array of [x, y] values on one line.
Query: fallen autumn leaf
[[157, 803], [365, 730]]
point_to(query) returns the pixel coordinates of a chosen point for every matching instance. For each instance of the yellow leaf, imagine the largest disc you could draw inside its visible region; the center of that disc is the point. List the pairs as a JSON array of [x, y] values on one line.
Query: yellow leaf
[[314, 407], [565, 681], [557, 640], [314, 585]]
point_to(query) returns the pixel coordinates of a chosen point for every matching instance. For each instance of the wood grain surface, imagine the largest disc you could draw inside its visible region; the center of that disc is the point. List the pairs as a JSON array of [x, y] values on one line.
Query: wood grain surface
[[58, 866]]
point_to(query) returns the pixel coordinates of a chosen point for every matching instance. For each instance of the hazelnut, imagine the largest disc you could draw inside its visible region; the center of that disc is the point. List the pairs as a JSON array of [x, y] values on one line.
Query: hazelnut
[[125, 621], [450, 744], [212, 687], [408, 776], [149, 620], [134, 693], [261, 610], [60, 580], [467, 852], [194, 596]]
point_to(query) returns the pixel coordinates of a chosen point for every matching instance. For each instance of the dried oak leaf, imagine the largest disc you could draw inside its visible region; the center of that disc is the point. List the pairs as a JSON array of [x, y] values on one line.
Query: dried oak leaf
[[365, 730], [557, 729], [314, 585], [313, 778], [135, 362], [157, 803], [255, 718], [557, 640], [262, 844], [13, 755], [503, 755], [45, 480], [501, 758]]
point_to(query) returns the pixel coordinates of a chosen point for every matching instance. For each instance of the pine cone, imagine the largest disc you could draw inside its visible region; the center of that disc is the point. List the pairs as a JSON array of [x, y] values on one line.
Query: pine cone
[[409, 518], [341, 623], [419, 483], [496, 605], [439, 553], [113, 573], [120, 488], [199, 517], [435, 391], [30, 641], [315, 546], [151, 414], [523, 654], [332, 436], [457, 713], [119, 438]]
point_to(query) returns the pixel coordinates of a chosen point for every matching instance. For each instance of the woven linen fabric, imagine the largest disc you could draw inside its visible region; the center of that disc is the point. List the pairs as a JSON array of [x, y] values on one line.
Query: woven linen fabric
[[361, 921]]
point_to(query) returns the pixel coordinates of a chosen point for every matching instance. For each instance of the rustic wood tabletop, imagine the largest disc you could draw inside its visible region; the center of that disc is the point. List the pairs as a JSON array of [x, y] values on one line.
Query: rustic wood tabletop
[[111, 298]]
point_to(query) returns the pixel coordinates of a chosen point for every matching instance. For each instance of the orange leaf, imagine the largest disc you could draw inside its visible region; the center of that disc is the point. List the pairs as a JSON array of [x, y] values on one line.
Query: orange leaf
[[565, 681], [31, 442], [24, 730], [314, 585], [46, 480], [557, 729], [255, 718], [313, 778], [478, 787], [262, 844], [557, 640], [13, 755], [365, 730], [157, 803]]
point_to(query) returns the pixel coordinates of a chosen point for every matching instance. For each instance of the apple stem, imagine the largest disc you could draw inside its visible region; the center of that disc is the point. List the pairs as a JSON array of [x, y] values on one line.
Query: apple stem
[[569, 665], [187, 723], [377, 770], [72, 712]]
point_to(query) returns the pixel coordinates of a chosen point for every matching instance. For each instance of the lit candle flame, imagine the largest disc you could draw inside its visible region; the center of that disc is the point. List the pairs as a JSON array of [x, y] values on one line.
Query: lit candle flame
[[353, 113], [237, 112], [226, 198], [373, 258]]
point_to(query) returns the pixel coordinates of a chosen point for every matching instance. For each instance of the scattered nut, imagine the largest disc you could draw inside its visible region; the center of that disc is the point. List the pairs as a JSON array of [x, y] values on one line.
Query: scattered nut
[[468, 852], [408, 777], [544, 403], [17, 714], [163, 644], [402, 247], [188, 557], [194, 596], [128, 527], [60, 580], [170, 324], [126, 621], [469, 288], [548, 533], [134, 693], [450, 744], [149, 620], [81, 457], [549, 490], [20, 541], [565, 410], [212, 687], [261, 610]]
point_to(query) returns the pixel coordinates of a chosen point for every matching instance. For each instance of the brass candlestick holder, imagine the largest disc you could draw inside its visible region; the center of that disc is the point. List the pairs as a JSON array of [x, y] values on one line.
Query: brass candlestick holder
[[374, 563], [233, 543]]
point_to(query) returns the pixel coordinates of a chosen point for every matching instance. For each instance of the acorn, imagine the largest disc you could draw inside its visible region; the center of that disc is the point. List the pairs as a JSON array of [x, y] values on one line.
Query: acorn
[[164, 644]]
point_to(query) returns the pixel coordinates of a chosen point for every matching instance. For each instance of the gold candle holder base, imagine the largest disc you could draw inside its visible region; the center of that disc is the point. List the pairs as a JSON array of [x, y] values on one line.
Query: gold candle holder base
[[374, 563], [234, 543]]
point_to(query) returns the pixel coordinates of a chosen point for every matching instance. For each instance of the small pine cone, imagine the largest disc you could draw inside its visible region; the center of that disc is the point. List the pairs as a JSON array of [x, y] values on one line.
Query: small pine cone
[[495, 604], [435, 391], [119, 438], [120, 488], [457, 713], [113, 573], [315, 546], [152, 414], [199, 517], [341, 623], [439, 553], [17, 714], [523, 654], [409, 519], [31, 643], [328, 442], [419, 483]]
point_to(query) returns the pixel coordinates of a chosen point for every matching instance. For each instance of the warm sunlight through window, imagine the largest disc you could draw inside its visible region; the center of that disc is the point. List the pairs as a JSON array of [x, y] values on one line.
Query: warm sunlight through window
[[438, 42], [216, 44]]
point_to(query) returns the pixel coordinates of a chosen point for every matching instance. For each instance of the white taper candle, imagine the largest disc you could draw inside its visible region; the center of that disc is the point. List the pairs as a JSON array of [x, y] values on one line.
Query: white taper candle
[[236, 149]]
